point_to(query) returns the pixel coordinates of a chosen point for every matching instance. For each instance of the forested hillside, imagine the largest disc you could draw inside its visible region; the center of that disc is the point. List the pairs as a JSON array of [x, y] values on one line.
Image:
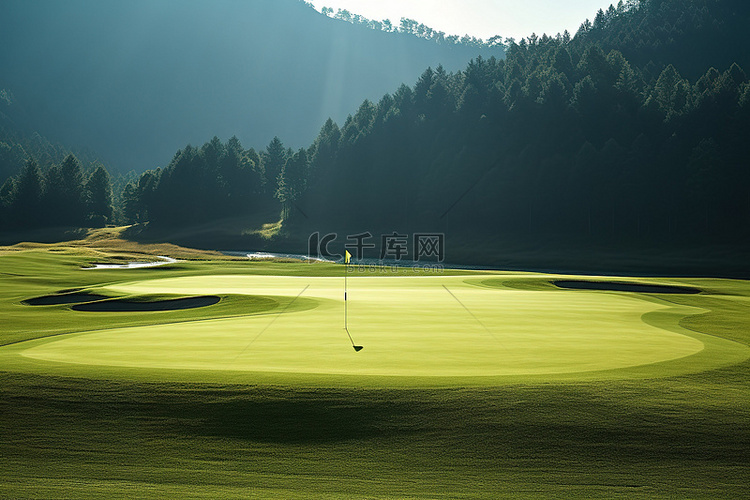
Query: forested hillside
[[63, 195], [564, 139], [43, 184], [611, 137], [135, 81], [690, 35], [18, 145]]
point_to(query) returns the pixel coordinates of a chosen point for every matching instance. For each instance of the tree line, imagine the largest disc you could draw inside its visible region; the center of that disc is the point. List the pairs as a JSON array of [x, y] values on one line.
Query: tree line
[[412, 27], [16, 147], [199, 184], [567, 137], [217, 180], [63, 195]]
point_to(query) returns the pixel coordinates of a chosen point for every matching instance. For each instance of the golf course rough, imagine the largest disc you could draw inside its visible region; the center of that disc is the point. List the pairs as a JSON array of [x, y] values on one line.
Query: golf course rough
[[417, 331]]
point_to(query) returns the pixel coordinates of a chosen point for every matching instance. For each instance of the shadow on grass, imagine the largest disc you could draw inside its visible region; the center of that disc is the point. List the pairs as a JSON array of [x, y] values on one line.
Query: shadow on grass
[[575, 427], [317, 418]]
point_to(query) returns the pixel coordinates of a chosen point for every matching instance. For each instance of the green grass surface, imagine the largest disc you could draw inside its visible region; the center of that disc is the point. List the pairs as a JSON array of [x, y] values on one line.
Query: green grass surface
[[533, 392], [417, 331]]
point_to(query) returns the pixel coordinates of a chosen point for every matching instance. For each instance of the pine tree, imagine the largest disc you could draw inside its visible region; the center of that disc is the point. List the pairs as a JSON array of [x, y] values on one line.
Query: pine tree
[[7, 195], [130, 203], [292, 180], [672, 93], [7, 192], [64, 195], [26, 206], [99, 197], [274, 160]]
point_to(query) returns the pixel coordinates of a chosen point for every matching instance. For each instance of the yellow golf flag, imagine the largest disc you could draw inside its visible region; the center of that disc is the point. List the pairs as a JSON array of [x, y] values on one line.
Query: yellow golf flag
[[347, 256]]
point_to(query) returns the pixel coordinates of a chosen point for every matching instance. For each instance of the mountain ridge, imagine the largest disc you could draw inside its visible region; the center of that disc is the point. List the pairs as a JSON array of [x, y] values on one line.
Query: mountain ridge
[[136, 81]]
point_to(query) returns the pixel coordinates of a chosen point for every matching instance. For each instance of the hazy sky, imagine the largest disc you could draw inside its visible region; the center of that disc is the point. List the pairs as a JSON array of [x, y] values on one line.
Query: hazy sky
[[480, 18]]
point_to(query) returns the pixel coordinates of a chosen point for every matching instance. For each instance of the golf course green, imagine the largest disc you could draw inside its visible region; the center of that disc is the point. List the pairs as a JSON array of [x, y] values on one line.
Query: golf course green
[[470, 383], [411, 327]]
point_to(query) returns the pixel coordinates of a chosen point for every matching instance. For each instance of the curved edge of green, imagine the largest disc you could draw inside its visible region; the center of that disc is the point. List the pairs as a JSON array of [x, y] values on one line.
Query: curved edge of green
[[229, 306], [717, 353]]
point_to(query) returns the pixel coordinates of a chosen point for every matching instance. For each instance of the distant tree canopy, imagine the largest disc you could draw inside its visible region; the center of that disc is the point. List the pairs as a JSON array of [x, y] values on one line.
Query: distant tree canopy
[[412, 27], [45, 184], [200, 184], [17, 147], [692, 35], [62, 196]]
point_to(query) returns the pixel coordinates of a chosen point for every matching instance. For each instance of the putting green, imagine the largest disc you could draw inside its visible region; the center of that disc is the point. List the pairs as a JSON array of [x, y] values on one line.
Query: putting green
[[421, 330]]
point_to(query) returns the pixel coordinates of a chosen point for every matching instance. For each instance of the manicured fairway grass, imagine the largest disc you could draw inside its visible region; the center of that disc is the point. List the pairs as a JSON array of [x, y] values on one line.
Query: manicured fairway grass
[[471, 384]]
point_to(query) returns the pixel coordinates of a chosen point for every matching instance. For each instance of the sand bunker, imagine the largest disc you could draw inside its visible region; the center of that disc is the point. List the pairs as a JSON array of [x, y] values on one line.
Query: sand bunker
[[134, 265], [68, 298], [615, 286], [129, 305]]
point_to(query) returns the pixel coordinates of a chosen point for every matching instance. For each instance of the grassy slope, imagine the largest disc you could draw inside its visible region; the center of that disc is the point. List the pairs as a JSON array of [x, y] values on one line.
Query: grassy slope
[[685, 436]]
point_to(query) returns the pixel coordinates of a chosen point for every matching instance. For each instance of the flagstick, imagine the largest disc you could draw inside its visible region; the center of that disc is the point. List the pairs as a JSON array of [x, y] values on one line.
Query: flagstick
[[346, 304]]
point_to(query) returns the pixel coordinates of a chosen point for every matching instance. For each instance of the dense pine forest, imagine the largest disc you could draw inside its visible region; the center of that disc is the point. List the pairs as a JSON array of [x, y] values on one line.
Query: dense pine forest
[[565, 137], [633, 131], [62, 196]]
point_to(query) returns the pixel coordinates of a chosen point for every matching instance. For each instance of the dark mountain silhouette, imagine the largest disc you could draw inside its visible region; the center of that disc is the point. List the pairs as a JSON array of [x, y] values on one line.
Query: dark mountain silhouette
[[136, 80]]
